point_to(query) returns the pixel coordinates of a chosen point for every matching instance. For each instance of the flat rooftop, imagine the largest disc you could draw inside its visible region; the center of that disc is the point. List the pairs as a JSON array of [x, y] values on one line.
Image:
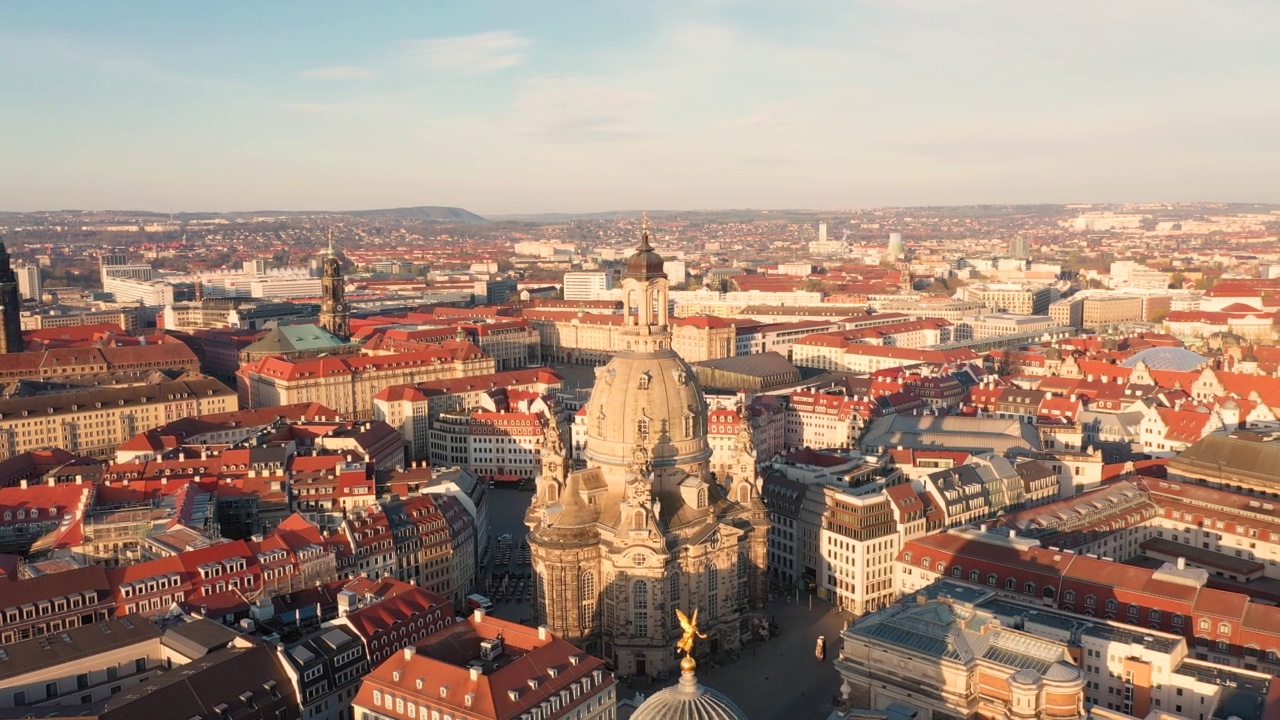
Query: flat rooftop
[[1244, 695]]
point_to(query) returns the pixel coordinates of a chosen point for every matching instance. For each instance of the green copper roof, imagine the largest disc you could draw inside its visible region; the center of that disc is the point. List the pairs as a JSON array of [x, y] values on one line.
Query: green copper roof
[[296, 338]]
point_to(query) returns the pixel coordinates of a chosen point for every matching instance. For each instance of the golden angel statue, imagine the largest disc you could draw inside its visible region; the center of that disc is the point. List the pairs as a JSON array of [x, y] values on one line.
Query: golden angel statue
[[690, 627]]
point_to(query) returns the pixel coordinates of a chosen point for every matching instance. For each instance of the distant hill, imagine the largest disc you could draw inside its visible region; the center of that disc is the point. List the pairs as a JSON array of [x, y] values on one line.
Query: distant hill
[[423, 212], [429, 213], [547, 218]]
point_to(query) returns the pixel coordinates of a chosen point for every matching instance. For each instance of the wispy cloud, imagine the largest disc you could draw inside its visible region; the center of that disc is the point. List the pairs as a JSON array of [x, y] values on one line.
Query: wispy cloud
[[404, 103], [778, 117], [338, 72], [481, 52], [580, 110]]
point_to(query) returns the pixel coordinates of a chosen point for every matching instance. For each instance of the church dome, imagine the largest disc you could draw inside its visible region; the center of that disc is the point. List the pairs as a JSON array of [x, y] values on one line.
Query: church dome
[[688, 700], [1166, 358], [650, 399], [644, 263]]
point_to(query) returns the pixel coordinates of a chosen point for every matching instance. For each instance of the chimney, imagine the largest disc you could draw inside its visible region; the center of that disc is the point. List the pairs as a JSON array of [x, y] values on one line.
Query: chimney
[[478, 615], [1182, 563], [542, 632], [408, 653], [475, 673]]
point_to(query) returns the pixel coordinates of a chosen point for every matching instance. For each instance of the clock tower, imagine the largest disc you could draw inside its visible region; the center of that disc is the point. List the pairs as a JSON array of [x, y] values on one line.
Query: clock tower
[[335, 314]]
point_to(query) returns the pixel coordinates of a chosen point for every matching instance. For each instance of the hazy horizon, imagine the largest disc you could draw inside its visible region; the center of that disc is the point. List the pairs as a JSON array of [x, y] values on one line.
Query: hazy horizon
[[570, 107], [624, 212]]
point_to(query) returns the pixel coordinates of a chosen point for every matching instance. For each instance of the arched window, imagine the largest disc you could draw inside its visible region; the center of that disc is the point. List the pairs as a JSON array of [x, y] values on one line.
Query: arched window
[[675, 589], [1154, 615], [974, 575], [924, 562], [1133, 610], [1090, 601], [640, 595], [713, 590], [587, 596], [637, 520], [702, 497], [1272, 656], [1029, 588], [1224, 628], [1203, 624], [744, 493], [942, 567], [1069, 596], [1111, 606], [553, 492], [992, 579], [1010, 584], [956, 570], [1222, 646], [906, 557]]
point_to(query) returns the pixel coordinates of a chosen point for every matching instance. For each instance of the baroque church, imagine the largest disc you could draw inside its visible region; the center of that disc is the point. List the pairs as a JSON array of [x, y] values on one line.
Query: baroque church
[[644, 528]]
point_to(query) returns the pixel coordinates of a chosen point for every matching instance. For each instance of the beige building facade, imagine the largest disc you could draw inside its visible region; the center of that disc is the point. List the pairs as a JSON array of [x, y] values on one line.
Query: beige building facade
[[349, 384], [643, 529], [95, 420]]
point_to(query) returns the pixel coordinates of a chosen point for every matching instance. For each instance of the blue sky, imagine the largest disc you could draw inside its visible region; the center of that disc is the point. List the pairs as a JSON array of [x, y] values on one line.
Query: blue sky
[[550, 106]]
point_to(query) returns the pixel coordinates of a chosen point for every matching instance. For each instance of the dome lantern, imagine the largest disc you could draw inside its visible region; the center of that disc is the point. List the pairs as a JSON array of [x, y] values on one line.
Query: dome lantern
[[645, 263]]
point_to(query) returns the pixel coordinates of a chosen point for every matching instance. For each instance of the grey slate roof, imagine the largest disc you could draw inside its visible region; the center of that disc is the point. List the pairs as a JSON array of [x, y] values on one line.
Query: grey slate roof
[[1226, 457], [759, 365], [951, 432]]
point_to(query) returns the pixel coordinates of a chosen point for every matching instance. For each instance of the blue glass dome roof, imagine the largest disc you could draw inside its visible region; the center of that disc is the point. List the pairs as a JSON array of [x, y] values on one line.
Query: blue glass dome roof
[[1167, 358]]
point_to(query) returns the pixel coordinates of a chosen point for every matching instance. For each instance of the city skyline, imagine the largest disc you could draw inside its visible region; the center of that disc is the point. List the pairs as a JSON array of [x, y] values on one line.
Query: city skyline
[[584, 108]]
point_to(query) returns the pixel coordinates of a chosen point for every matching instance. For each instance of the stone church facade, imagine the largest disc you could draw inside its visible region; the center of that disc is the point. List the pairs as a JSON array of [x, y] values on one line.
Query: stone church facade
[[644, 528]]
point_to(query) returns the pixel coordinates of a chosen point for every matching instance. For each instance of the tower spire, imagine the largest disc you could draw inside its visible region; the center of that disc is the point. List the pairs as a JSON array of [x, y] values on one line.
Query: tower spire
[[644, 232], [335, 314], [10, 305]]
